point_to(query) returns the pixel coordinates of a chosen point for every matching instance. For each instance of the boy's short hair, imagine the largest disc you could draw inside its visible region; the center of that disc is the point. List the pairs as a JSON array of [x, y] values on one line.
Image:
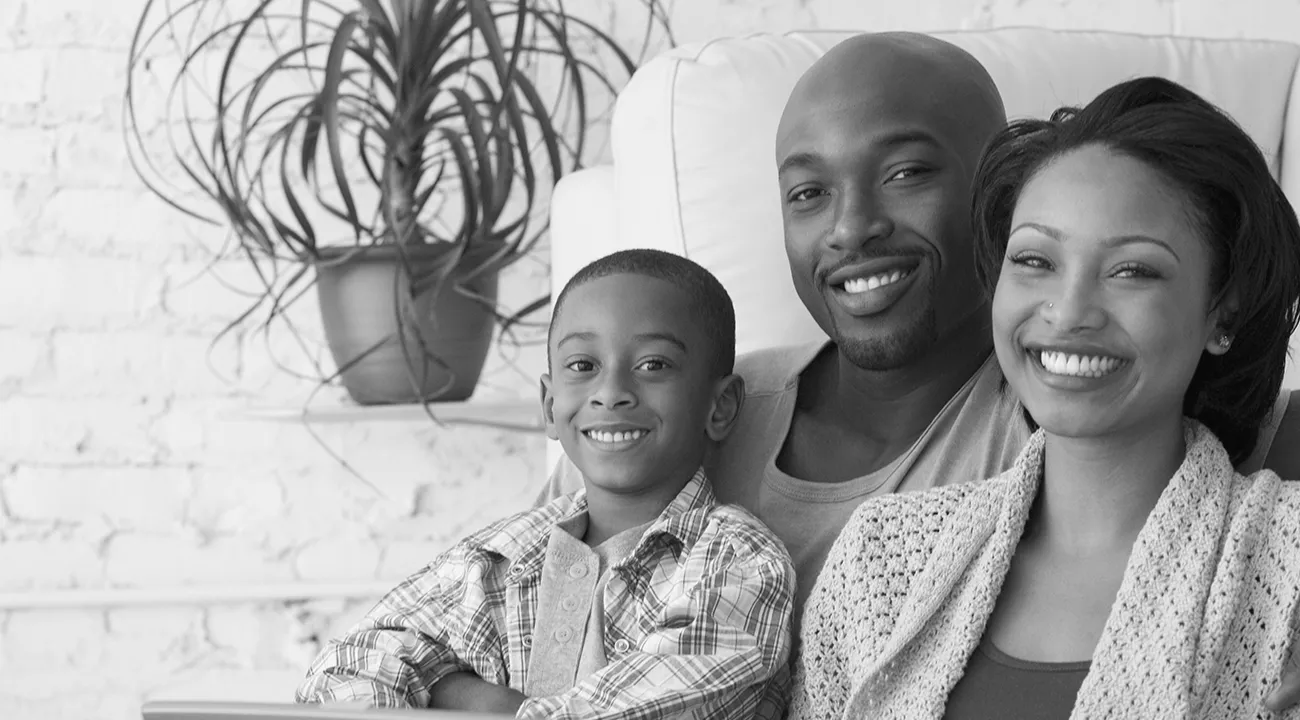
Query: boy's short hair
[[710, 303]]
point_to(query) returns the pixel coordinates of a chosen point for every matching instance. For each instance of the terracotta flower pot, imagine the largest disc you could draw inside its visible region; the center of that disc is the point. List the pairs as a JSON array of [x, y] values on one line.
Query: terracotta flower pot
[[395, 348]]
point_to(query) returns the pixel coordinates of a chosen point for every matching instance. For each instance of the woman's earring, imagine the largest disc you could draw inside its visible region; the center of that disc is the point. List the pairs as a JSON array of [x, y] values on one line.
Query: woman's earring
[[1225, 341]]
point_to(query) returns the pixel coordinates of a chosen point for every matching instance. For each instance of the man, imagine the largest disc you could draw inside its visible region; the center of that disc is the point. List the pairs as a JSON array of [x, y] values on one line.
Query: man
[[876, 150]]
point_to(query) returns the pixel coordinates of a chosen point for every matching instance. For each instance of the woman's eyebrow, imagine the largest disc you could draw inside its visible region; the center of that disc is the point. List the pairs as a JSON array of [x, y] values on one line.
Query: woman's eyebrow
[[1116, 241]]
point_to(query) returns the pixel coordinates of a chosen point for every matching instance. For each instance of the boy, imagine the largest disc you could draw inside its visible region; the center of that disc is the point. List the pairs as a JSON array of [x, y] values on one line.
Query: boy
[[637, 596]]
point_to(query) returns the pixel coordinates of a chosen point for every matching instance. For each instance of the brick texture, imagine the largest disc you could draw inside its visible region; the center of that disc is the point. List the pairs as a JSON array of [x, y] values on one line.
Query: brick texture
[[124, 460]]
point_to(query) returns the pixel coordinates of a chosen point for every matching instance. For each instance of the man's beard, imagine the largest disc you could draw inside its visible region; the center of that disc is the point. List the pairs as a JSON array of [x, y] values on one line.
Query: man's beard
[[882, 352], [893, 351]]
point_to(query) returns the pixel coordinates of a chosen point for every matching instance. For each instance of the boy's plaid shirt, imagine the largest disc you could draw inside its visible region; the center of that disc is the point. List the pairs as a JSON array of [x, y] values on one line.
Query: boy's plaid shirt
[[697, 620]]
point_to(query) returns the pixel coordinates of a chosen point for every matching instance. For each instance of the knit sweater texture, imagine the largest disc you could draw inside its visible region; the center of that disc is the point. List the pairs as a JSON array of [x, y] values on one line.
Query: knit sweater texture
[[1201, 626]]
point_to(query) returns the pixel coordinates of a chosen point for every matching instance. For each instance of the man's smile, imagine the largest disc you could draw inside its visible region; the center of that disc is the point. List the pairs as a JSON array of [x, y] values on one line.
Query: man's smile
[[872, 287], [861, 285]]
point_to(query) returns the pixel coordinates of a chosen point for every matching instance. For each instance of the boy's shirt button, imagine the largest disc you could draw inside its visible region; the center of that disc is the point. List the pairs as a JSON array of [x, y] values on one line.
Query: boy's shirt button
[[621, 645], [569, 603], [563, 635], [578, 570], [528, 641]]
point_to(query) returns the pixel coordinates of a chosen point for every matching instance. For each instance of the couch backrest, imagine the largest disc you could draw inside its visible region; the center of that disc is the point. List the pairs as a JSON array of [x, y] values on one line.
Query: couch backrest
[[692, 141]]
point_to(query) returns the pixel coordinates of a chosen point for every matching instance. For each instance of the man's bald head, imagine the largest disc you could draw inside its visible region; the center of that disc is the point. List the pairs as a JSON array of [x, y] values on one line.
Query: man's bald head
[[876, 151], [929, 78]]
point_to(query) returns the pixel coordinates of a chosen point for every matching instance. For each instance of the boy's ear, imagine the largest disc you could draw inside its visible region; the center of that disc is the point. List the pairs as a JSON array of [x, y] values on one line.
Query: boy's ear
[[728, 398], [548, 407]]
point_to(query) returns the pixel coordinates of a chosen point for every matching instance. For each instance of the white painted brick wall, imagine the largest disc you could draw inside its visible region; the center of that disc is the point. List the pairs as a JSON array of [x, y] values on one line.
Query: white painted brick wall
[[121, 465]]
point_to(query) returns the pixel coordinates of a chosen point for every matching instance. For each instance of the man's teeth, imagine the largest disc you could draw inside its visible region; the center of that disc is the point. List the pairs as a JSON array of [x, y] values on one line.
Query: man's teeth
[[1089, 366], [859, 285], [615, 437]]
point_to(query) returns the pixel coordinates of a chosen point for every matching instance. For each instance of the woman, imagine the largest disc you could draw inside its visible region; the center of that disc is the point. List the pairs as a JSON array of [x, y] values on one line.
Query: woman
[[1146, 271]]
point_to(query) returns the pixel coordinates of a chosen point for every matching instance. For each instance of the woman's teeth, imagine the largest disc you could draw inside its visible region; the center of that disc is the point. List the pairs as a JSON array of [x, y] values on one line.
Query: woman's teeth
[[860, 285], [1089, 366], [602, 436]]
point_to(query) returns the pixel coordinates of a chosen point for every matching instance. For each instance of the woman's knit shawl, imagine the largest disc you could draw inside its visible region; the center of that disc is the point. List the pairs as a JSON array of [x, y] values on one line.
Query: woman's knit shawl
[[1201, 626]]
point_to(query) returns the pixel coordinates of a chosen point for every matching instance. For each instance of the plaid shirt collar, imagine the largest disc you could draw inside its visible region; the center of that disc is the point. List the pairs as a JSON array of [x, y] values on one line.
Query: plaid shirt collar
[[682, 521]]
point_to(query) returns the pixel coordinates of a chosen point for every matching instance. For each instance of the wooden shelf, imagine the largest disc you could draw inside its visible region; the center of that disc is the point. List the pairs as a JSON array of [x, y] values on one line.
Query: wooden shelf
[[518, 415]]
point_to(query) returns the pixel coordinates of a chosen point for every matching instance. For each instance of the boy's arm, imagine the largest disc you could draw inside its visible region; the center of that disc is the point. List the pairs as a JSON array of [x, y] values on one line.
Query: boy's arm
[[720, 648], [565, 478], [467, 691], [435, 623]]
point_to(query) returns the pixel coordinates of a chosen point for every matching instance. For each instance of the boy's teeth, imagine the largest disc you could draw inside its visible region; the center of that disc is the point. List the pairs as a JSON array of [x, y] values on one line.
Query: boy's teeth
[[614, 437], [858, 285], [1090, 366]]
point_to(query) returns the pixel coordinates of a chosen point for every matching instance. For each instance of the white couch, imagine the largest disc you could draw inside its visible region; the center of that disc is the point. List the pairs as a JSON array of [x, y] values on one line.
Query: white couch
[[694, 172]]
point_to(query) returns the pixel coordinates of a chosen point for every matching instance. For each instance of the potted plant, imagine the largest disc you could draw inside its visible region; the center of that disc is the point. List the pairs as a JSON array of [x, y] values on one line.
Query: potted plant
[[397, 155]]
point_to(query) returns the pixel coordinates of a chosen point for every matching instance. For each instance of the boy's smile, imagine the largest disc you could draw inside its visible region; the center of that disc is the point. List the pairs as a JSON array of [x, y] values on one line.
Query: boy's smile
[[630, 392], [615, 437]]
